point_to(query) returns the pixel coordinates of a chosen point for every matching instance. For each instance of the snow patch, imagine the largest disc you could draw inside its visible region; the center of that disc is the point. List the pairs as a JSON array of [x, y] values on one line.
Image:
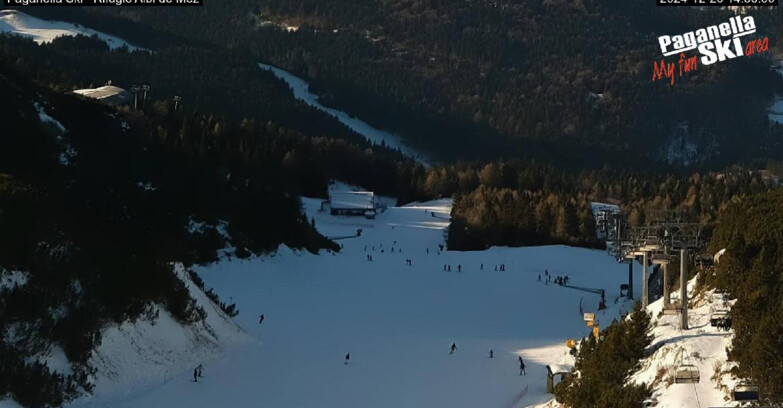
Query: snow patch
[[688, 147], [68, 153], [146, 186], [285, 26], [45, 118], [9, 403], [12, 279], [55, 359], [45, 31], [775, 112]]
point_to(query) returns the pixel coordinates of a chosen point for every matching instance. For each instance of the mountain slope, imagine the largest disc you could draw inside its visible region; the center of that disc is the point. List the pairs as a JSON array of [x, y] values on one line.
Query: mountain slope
[[396, 320]]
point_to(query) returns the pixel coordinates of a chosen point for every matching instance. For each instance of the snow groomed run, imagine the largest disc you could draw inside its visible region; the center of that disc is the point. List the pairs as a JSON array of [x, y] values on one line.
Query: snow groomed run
[[397, 316]]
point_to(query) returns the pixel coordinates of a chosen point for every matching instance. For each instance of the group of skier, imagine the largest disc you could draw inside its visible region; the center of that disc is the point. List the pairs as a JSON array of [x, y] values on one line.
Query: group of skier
[[447, 268], [369, 257], [492, 355], [198, 371], [560, 280]]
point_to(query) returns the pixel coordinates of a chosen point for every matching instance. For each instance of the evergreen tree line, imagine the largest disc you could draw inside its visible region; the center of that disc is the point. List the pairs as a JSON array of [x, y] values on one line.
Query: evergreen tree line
[[487, 80], [604, 366], [751, 271], [528, 203], [97, 237]]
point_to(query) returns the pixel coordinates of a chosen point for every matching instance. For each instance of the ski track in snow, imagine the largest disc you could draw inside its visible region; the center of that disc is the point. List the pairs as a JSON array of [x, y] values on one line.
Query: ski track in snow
[[301, 91], [397, 321], [45, 31], [702, 345]]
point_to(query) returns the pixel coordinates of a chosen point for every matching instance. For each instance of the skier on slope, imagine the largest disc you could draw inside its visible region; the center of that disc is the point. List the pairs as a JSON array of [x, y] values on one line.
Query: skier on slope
[[491, 353], [347, 358], [195, 375], [261, 319], [200, 369], [453, 348], [522, 366], [459, 268]]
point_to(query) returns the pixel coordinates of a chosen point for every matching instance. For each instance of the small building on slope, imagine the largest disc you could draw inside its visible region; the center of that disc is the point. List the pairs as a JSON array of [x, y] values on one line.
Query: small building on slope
[[353, 203], [108, 94]]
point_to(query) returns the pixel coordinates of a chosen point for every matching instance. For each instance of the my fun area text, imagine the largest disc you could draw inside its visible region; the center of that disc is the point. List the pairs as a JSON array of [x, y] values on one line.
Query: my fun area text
[[713, 44]]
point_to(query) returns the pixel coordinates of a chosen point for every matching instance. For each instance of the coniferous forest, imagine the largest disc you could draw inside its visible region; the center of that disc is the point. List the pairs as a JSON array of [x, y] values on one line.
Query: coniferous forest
[[527, 118]]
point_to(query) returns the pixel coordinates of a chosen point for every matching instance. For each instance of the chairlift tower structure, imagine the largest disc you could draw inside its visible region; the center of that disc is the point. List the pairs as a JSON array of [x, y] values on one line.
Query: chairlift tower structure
[[135, 89], [145, 89], [613, 224], [666, 232]]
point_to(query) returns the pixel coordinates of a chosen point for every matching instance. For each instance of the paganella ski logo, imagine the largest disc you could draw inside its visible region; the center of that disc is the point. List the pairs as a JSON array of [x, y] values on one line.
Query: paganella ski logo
[[715, 43]]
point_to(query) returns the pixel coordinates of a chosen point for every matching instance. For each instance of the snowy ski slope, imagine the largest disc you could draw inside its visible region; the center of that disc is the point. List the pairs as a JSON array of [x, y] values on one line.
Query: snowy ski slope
[[44, 31], [301, 91], [396, 320], [702, 345]]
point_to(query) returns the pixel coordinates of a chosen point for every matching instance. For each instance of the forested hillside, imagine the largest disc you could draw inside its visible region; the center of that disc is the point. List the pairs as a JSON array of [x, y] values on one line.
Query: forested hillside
[[529, 120], [96, 204], [481, 80], [606, 364], [751, 230], [514, 203]]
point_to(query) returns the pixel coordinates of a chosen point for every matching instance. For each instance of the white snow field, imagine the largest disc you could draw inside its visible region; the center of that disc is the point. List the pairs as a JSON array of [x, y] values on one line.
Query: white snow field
[[301, 91], [396, 321], [45, 31], [702, 346], [134, 358]]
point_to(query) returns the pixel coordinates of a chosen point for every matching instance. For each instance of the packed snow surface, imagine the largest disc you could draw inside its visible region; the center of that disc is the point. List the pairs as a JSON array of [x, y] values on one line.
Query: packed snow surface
[[45, 31], [67, 151], [136, 357], [396, 320], [701, 345], [301, 91]]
